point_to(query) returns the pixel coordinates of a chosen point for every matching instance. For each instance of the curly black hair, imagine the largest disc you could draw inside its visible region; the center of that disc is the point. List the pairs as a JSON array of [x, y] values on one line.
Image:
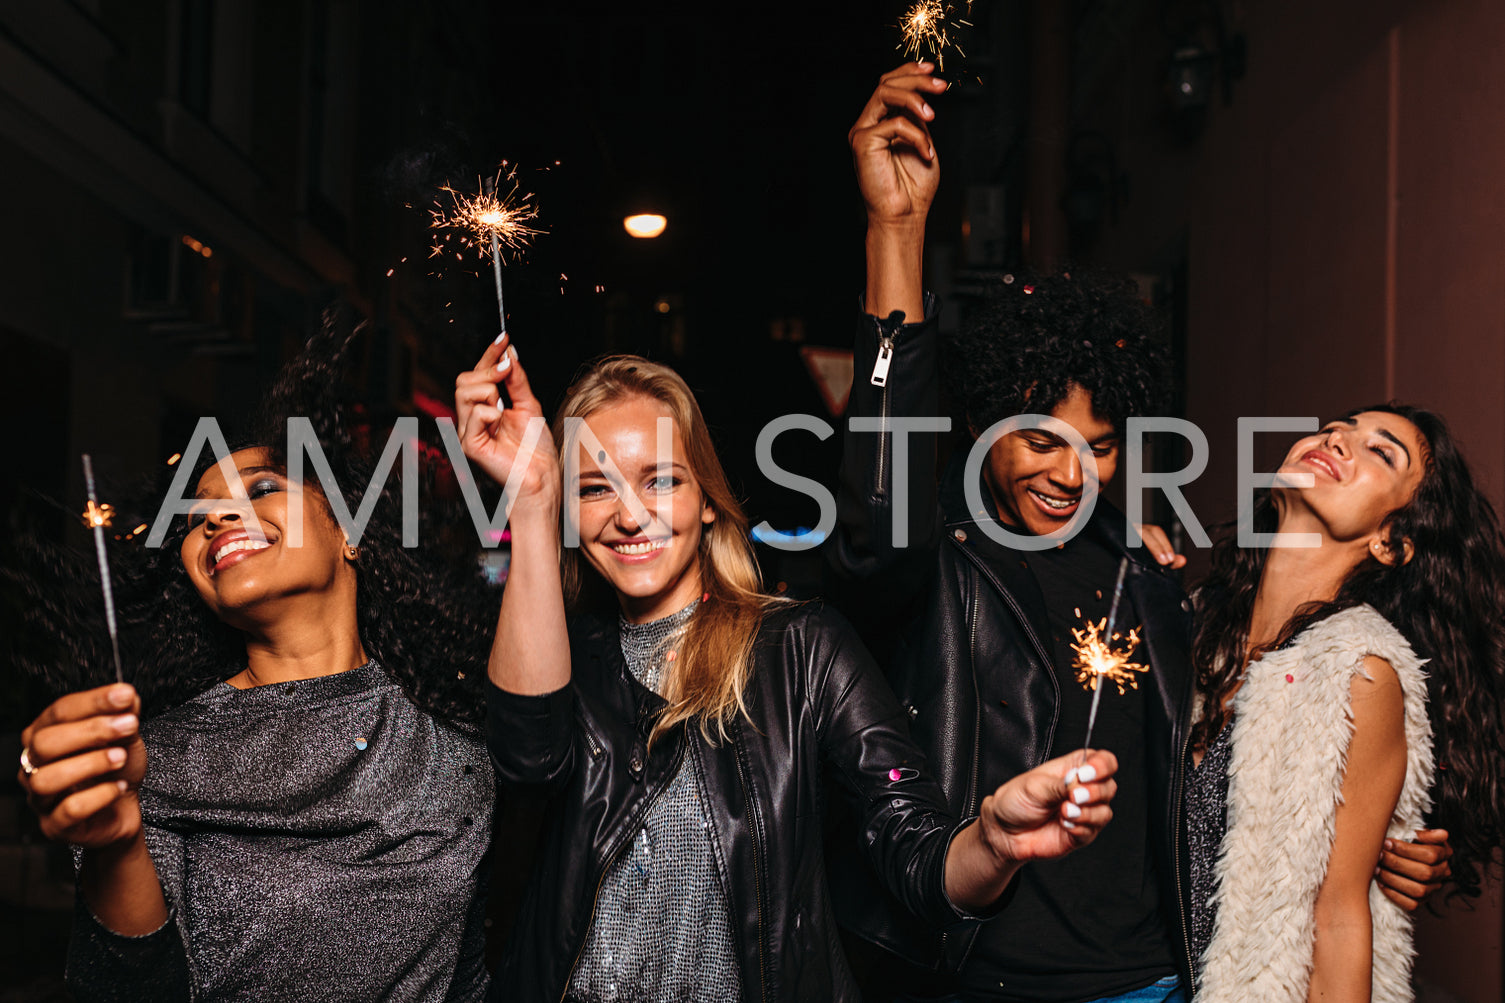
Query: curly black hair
[[1025, 340], [425, 621], [1448, 601]]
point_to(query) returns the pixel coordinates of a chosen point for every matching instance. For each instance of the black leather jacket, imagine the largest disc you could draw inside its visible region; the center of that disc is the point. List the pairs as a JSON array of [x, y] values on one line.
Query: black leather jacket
[[816, 700], [962, 634]]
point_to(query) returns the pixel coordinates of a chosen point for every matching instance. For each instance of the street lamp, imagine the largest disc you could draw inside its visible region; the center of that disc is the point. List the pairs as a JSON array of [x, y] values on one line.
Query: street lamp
[[645, 225]]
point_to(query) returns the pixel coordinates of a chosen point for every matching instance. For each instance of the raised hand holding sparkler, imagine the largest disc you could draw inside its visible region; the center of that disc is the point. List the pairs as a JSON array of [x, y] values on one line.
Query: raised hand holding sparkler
[[97, 517], [1098, 660], [487, 222]]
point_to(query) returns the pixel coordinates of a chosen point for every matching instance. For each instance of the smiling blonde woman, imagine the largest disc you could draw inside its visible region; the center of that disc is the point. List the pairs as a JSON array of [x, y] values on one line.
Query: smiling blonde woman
[[685, 722]]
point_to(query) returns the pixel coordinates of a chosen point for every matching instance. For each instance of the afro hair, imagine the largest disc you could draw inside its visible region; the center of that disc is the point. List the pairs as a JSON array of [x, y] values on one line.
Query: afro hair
[[1025, 341]]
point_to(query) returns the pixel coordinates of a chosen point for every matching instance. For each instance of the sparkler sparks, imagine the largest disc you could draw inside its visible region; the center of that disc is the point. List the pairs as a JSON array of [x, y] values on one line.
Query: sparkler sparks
[[1097, 660], [485, 222], [97, 516], [927, 30]]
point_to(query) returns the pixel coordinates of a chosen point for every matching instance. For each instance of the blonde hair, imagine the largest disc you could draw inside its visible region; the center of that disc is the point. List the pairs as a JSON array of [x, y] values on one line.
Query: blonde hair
[[713, 660]]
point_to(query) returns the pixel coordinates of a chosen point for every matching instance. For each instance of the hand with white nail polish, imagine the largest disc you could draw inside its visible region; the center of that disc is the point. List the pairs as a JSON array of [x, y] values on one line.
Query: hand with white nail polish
[[1052, 809], [1040, 815], [504, 440]]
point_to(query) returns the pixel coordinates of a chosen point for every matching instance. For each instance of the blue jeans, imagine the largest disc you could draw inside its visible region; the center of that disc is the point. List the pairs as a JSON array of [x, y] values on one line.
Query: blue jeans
[[1167, 990]]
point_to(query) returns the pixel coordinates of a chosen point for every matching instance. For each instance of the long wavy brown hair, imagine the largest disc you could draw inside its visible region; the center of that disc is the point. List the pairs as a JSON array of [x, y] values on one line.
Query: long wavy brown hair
[[1448, 601], [714, 659]]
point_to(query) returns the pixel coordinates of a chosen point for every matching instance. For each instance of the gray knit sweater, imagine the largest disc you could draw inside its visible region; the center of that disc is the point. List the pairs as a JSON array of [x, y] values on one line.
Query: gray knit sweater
[[316, 840]]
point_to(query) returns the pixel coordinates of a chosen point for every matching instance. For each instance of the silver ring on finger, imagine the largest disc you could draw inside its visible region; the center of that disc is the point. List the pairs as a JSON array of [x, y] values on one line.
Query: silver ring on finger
[[26, 764]]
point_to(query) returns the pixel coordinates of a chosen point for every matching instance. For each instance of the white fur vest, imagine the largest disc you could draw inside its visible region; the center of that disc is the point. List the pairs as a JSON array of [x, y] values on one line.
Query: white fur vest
[[1291, 728]]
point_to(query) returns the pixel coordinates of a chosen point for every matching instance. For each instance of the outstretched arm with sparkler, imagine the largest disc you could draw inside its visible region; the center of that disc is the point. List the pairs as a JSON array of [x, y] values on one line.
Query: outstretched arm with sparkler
[[81, 768], [1055, 808], [897, 172]]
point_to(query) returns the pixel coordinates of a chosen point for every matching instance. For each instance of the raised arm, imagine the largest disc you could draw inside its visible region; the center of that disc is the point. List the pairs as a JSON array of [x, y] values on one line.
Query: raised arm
[[897, 173], [529, 702], [531, 652], [927, 860], [1376, 769], [896, 375]]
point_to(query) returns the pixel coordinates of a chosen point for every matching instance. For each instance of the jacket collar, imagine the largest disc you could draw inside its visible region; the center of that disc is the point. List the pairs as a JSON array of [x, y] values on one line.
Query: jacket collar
[[600, 640], [1008, 568]]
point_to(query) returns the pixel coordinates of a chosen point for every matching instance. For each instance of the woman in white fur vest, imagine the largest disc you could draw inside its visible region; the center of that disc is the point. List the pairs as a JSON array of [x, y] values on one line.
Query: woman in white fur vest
[[1315, 743]]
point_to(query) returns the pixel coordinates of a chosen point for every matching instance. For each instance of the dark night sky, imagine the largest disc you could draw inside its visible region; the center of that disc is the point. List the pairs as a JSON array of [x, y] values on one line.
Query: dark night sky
[[731, 124]]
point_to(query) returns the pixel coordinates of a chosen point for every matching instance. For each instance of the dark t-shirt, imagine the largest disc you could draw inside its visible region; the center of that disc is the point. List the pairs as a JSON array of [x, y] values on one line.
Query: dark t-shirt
[[1088, 925]]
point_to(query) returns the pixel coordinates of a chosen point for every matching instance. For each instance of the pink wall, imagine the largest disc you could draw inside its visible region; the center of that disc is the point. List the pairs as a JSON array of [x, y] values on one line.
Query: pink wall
[[1347, 244]]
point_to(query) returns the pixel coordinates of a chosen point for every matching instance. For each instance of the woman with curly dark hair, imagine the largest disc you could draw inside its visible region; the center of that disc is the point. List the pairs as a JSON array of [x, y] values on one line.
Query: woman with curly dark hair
[[294, 800], [1315, 730]]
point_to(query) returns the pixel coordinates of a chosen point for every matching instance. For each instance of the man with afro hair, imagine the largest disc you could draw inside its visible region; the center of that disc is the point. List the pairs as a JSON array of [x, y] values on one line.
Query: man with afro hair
[[1081, 347], [975, 631], [974, 634]]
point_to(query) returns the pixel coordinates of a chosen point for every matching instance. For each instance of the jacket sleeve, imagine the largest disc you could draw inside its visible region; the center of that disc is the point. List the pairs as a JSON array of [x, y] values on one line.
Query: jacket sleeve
[[107, 967], [903, 823], [531, 738], [885, 562]]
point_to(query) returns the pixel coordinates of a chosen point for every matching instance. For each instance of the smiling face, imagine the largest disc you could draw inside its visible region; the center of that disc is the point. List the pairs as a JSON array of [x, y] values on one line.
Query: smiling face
[[653, 564], [1035, 477], [1363, 469], [236, 571]]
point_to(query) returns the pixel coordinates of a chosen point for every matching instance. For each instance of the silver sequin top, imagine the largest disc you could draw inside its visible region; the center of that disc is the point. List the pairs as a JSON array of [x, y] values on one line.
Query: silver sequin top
[[1206, 823], [661, 931], [316, 840]]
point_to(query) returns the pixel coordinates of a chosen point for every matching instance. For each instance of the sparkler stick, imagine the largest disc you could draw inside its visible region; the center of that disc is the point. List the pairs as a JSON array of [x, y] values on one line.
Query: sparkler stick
[[1097, 660], [496, 262], [97, 517], [1097, 689]]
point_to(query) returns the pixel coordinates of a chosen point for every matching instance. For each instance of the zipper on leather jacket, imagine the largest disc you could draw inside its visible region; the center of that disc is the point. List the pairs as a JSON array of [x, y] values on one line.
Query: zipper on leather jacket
[[611, 860], [879, 379], [884, 360], [974, 801], [1034, 639], [593, 744], [1179, 792], [755, 820]]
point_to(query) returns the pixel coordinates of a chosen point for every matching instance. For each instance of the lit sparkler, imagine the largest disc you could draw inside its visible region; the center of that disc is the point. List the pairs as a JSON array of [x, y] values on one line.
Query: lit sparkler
[[486, 222], [97, 517], [1099, 661], [927, 30]]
